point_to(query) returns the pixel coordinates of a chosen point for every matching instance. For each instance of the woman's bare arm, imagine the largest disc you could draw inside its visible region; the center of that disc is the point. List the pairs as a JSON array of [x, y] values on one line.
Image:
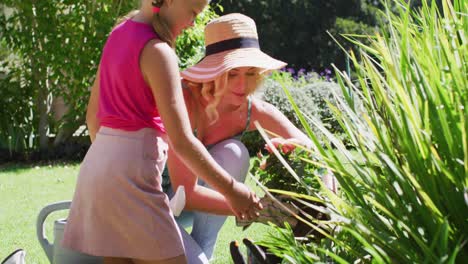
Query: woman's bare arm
[[270, 118], [198, 198]]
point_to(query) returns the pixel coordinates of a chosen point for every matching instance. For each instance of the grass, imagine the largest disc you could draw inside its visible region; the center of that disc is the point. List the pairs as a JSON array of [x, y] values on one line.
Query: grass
[[26, 189]]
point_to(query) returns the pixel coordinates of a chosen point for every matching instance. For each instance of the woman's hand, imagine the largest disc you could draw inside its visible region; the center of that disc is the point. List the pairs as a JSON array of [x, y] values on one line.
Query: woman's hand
[[286, 145], [243, 202]]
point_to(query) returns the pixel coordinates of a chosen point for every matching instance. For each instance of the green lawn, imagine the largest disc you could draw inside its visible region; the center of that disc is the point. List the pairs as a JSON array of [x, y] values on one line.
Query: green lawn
[[26, 189]]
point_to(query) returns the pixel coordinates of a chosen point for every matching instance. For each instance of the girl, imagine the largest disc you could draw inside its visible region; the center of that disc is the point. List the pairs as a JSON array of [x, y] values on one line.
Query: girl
[[136, 109]]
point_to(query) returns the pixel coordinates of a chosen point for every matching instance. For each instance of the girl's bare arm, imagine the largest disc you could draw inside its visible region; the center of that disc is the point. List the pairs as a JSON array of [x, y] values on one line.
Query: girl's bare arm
[[160, 69]]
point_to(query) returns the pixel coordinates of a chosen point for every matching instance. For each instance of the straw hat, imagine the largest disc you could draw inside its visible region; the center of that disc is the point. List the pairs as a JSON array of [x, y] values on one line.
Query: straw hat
[[231, 41]]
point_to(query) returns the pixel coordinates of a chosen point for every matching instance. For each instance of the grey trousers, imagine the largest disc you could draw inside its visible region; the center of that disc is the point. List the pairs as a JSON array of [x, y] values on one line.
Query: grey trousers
[[233, 156]]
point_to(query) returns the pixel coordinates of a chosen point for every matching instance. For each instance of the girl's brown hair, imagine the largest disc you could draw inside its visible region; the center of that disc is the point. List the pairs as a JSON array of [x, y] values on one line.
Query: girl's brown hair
[[126, 17], [161, 27]]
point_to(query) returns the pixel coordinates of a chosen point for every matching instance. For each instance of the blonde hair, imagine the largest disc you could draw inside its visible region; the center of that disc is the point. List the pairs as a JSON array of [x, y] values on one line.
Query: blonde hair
[[213, 91]]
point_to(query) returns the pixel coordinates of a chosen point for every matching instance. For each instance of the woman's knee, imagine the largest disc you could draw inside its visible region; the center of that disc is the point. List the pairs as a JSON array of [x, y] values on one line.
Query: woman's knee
[[233, 156], [235, 148]]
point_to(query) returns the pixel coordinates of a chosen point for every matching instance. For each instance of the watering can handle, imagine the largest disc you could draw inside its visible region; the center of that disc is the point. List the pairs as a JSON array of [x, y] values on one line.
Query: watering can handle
[[40, 230], [237, 257]]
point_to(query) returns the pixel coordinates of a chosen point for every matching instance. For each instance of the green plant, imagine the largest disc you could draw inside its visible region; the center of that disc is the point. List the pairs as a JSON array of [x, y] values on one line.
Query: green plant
[[291, 78], [291, 172], [404, 192], [284, 244], [273, 174]]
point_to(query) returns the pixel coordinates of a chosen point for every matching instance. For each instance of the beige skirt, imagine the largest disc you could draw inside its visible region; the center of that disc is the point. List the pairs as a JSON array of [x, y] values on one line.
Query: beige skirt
[[119, 208]]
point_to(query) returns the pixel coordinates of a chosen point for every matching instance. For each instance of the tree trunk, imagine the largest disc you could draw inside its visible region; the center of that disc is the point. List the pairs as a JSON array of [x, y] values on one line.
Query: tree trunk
[[39, 78], [43, 115], [63, 135], [67, 130]]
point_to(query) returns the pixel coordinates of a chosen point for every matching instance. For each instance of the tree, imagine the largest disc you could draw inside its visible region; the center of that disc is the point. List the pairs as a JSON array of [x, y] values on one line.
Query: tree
[[296, 31], [50, 51], [54, 50]]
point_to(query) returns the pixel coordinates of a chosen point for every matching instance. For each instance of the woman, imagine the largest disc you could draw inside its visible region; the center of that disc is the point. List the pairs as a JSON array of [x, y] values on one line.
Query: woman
[[136, 109], [217, 93]]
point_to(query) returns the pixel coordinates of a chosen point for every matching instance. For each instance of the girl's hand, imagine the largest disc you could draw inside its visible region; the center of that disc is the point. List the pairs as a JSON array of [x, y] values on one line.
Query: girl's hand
[[243, 202], [286, 145]]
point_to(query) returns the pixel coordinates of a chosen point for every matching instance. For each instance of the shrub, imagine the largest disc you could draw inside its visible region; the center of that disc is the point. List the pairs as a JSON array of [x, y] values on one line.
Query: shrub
[[271, 173], [310, 92]]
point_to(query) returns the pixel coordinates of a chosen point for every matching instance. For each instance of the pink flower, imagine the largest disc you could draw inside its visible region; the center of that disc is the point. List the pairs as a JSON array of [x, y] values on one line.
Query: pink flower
[[263, 164], [259, 155], [276, 142], [286, 145]]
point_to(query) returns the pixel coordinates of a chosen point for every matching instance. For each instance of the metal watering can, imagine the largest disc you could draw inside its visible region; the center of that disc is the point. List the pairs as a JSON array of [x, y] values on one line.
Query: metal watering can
[[55, 252]]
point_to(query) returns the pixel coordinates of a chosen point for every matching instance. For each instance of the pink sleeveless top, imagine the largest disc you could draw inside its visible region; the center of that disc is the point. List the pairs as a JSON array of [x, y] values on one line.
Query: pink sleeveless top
[[126, 101]]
